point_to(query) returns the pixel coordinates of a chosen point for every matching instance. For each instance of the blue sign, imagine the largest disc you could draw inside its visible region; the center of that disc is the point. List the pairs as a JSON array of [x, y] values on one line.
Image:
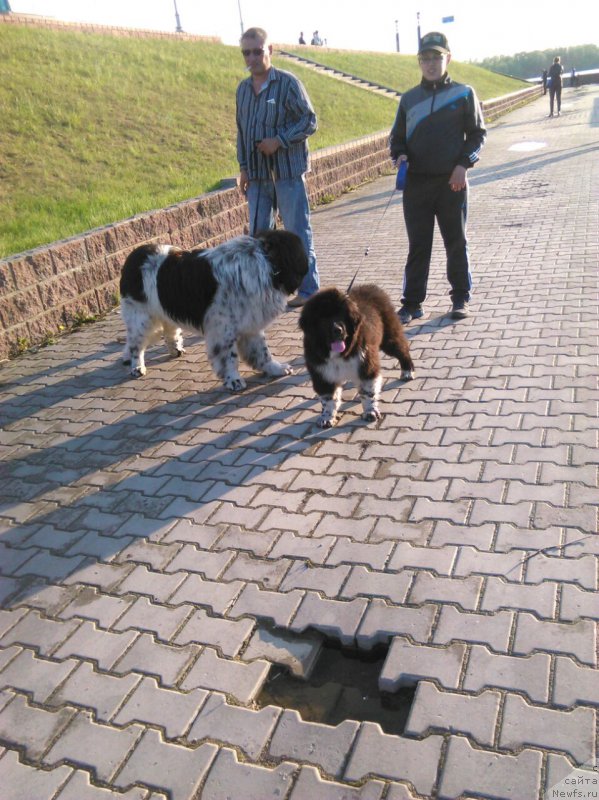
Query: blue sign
[[447, 19]]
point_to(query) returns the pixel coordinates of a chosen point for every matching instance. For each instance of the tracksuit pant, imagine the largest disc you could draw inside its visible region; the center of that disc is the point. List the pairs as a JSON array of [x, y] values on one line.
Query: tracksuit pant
[[426, 199]]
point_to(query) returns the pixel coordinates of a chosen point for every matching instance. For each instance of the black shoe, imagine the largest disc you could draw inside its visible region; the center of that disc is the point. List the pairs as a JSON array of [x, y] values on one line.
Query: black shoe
[[460, 310], [406, 314]]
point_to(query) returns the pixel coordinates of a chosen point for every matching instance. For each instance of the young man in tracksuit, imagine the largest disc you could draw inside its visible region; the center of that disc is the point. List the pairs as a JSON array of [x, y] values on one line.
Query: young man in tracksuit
[[439, 130]]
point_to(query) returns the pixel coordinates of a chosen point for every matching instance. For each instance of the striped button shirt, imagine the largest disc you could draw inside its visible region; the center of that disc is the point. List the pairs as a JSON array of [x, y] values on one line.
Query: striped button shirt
[[283, 110]]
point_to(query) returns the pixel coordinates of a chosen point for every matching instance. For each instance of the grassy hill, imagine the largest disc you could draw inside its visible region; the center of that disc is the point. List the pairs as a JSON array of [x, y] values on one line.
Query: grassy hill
[[95, 128], [400, 72]]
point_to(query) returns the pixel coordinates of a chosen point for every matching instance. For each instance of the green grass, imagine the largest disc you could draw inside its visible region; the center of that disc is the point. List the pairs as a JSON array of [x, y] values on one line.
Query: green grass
[[402, 72], [95, 129]]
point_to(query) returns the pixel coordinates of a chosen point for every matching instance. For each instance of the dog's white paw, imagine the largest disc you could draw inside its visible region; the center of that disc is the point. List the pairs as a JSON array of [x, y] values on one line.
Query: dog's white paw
[[138, 372], [235, 384], [326, 422], [372, 415], [276, 370], [178, 352], [408, 374]]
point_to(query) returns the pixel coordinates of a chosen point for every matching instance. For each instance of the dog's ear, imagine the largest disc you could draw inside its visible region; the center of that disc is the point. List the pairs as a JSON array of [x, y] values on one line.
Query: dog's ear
[[287, 256]]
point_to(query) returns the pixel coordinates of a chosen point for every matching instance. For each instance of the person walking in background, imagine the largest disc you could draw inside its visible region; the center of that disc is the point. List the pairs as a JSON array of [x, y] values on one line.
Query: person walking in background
[[301, 38], [555, 87], [544, 80], [316, 40], [573, 78], [274, 120], [439, 130]]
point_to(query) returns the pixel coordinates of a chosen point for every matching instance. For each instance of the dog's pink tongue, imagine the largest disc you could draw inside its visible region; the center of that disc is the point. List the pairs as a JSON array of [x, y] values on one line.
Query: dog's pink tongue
[[338, 347]]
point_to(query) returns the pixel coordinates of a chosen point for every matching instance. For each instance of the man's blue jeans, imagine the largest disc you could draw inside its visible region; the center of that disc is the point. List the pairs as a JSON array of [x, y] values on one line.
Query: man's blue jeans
[[291, 199]]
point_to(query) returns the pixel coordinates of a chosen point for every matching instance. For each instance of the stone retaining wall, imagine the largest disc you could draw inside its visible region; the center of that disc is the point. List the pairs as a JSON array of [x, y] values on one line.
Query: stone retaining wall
[[53, 288]]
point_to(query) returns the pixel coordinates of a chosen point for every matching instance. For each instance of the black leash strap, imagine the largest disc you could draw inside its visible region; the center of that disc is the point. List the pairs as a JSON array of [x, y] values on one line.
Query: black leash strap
[[351, 283], [271, 172]]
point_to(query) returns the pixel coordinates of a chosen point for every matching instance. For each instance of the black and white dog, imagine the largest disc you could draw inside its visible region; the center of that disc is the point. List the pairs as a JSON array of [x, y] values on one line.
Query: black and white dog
[[343, 337], [230, 293]]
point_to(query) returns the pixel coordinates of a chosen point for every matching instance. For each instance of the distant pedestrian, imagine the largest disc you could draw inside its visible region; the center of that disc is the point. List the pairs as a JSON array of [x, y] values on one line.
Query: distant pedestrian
[[573, 77], [316, 40], [439, 130], [544, 79], [301, 39], [556, 71]]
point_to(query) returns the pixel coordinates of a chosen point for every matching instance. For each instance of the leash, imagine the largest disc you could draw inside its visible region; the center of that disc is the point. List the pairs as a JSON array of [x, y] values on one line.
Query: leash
[[271, 172], [400, 182]]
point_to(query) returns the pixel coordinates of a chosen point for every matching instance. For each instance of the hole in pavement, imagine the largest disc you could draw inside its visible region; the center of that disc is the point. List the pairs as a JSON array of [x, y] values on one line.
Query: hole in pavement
[[343, 685]]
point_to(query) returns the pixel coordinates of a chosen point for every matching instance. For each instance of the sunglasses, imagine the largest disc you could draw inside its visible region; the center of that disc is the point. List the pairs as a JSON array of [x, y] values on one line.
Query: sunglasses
[[255, 51]]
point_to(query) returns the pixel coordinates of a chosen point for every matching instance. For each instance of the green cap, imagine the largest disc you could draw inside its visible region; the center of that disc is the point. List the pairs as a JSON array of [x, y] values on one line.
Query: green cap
[[434, 41]]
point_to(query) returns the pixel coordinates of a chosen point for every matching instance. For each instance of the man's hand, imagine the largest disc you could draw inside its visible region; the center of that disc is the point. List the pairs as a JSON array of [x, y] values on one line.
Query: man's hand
[[457, 179], [244, 181], [268, 146]]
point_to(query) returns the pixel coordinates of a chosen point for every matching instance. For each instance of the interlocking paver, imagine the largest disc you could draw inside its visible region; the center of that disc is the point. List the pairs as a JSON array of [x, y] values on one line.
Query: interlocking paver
[[263, 604], [328, 580], [242, 681], [175, 769], [362, 582], [101, 692], [434, 559], [269, 572], [39, 676], [234, 725], [42, 785], [162, 621], [438, 589], [313, 743], [540, 599], [337, 618], [575, 638], [172, 711], [573, 732], [37, 632], [529, 675], [102, 748], [146, 525], [155, 658], [470, 770], [31, 728], [297, 653], [90, 642], [582, 570], [574, 684], [228, 636], [228, 774], [394, 757], [216, 596], [490, 629], [407, 663], [440, 711], [309, 785], [80, 788], [311, 549], [576, 603], [91, 604]]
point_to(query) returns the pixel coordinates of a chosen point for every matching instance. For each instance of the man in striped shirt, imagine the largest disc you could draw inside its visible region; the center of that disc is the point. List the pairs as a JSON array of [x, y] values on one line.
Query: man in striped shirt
[[274, 119]]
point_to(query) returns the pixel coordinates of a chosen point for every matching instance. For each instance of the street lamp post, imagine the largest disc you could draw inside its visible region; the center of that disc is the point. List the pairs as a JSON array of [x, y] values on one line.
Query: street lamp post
[[240, 17], [397, 35], [418, 21], [179, 29]]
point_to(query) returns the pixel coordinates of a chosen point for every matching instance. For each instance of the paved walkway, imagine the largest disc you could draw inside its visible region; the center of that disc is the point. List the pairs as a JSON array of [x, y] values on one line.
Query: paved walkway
[[163, 543]]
